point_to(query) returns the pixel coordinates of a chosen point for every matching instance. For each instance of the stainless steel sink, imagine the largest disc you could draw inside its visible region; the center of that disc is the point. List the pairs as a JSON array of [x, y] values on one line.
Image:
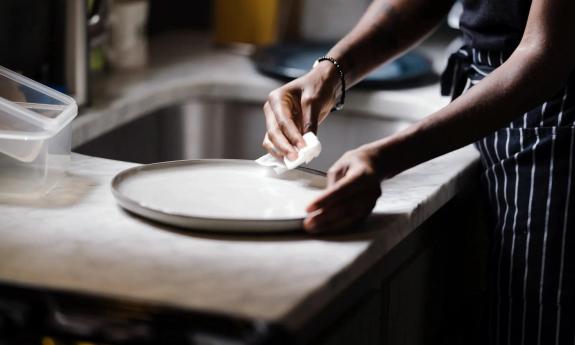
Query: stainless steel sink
[[226, 129]]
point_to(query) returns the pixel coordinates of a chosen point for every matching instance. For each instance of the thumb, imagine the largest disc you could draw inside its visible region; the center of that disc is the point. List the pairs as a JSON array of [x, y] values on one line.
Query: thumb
[[310, 115]]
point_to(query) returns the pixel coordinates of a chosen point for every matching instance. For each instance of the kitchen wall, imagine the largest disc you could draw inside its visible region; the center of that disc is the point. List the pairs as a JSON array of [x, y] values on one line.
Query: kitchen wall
[[329, 20]]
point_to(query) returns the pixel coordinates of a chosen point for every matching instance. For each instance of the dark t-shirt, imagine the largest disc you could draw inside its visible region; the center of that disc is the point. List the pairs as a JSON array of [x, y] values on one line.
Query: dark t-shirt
[[495, 25]]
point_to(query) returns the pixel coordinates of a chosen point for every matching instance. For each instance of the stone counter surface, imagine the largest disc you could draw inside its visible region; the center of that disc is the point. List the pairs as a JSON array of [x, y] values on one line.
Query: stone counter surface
[[78, 239]]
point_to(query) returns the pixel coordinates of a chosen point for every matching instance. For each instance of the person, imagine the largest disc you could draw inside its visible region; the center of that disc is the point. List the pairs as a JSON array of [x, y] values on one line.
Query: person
[[518, 108]]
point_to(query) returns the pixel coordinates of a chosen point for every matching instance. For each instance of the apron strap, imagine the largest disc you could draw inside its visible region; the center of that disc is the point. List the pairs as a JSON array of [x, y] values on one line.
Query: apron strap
[[454, 78]]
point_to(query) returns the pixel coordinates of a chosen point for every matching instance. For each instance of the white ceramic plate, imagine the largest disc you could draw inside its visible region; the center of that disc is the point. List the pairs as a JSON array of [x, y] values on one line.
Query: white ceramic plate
[[219, 194]]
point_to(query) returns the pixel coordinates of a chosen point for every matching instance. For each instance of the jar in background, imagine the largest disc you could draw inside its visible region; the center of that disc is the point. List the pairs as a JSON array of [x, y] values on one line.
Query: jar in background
[[251, 22]]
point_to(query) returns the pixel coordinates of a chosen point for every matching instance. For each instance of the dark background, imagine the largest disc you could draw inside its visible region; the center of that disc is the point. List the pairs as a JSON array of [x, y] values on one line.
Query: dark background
[[32, 32]]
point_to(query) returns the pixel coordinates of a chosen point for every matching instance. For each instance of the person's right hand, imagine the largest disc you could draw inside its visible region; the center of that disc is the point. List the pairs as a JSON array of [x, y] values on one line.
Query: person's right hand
[[297, 108]]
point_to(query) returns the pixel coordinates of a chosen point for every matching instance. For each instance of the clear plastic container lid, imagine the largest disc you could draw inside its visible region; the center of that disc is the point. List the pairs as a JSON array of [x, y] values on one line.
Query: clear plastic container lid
[[30, 112]]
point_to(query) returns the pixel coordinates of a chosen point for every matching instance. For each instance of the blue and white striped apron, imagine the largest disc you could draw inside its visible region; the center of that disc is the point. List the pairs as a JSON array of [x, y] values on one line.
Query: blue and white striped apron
[[529, 176]]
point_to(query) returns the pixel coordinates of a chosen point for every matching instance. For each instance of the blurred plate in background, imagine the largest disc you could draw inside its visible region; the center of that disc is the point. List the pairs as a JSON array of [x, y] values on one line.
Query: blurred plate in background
[[290, 61]]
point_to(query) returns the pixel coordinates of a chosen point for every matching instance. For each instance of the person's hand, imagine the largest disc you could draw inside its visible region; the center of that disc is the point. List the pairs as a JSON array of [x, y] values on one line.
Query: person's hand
[[297, 108], [354, 185]]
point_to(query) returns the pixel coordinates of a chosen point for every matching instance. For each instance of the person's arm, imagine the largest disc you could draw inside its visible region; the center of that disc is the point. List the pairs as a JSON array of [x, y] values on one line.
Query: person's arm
[[388, 28], [537, 70]]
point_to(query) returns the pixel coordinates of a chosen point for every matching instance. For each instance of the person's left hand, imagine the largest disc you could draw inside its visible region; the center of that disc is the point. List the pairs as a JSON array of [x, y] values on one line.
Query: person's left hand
[[353, 187]]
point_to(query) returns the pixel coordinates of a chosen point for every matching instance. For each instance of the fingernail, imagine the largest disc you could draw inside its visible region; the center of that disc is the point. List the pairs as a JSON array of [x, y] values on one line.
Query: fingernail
[[312, 211], [309, 226], [292, 156]]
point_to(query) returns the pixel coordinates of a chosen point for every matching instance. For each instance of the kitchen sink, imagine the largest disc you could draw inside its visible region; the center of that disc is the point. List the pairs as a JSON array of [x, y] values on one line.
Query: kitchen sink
[[214, 128]]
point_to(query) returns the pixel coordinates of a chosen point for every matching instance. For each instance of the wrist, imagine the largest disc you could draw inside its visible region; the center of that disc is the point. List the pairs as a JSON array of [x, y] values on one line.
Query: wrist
[[329, 75], [334, 75], [384, 159]]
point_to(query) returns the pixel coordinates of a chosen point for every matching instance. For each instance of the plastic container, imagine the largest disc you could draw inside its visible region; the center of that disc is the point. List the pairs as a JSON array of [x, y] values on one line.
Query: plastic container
[[35, 135]]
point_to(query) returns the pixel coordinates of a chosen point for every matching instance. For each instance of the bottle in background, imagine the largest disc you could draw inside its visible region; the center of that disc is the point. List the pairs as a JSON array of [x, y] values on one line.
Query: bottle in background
[[128, 46]]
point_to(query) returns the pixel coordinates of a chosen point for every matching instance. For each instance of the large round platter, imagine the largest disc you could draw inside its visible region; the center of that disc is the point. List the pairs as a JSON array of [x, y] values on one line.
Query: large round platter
[[219, 195]]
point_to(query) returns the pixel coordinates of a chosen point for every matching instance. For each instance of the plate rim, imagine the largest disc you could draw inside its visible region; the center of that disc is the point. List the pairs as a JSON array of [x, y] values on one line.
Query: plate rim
[[134, 206]]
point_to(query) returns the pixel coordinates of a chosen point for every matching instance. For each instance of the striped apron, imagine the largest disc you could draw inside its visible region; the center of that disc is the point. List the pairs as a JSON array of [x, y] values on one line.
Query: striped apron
[[529, 177]]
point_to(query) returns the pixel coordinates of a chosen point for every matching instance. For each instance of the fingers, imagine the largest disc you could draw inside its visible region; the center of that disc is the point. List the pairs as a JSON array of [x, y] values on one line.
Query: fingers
[[333, 195], [327, 221], [286, 109], [283, 122], [309, 114], [340, 215], [350, 197], [276, 137], [351, 183], [336, 172], [268, 146]]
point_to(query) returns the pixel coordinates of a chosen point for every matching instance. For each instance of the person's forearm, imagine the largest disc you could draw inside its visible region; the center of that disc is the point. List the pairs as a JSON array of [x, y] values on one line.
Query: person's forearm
[[388, 28], [525, 81]]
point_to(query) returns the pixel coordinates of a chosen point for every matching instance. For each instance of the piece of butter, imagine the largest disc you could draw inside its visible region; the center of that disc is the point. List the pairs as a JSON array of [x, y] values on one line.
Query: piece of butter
[[311, 150]]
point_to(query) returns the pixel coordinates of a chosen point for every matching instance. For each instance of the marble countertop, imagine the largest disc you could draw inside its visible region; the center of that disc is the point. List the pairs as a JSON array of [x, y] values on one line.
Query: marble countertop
[[78, 239]]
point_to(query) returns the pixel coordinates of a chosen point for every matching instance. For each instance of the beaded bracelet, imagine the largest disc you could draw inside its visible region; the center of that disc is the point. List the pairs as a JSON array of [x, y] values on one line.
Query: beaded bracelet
[[339, 105]]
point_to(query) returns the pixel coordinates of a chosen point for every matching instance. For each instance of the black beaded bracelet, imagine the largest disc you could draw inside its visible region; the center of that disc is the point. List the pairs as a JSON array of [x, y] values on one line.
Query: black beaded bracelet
[[339, 105]]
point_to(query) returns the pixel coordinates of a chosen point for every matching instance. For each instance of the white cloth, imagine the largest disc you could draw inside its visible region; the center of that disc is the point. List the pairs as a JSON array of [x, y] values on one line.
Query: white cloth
[[311, 150]]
